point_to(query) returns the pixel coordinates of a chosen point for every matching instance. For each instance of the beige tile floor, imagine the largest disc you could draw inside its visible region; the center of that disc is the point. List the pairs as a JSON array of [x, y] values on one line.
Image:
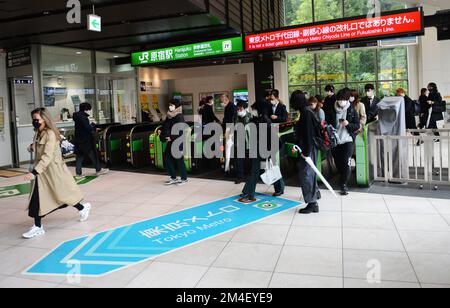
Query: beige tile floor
[[407, 238]]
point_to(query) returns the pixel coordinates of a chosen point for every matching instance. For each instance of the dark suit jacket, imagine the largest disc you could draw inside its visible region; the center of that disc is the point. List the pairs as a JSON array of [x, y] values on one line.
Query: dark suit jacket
[[371, 108], [280, 112]]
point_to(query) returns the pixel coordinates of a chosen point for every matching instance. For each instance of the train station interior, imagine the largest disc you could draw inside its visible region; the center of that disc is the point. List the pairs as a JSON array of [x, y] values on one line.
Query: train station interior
[[132, 61]]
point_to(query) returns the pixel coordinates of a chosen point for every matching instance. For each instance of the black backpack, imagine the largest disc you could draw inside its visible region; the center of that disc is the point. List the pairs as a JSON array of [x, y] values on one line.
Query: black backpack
[[325, 136]]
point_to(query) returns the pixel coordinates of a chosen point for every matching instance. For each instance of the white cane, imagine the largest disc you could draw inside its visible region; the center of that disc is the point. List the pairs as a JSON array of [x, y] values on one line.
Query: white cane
[[310, 162]]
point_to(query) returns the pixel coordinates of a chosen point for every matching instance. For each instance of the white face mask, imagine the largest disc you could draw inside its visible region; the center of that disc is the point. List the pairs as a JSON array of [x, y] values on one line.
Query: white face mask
[[88, 112], [329, 93], [274, 102], [352, 99], [342, 104], [370, 94], [242, 113], [255, 113], [427, 93], [172, 108]]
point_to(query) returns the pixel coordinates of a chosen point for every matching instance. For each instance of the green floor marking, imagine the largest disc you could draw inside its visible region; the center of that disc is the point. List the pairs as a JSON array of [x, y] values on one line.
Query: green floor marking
[[25, 189]]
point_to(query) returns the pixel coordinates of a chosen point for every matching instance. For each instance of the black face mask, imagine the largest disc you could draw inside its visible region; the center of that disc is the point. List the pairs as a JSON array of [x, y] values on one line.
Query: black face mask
[[36, 124]]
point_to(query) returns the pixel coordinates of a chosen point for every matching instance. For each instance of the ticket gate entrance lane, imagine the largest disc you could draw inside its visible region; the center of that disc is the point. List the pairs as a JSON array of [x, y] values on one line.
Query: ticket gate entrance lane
[[138, 144], [114, 140]]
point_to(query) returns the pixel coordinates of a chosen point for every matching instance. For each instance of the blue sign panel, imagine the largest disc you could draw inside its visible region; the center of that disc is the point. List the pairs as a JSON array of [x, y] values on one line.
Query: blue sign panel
[[105, 252]]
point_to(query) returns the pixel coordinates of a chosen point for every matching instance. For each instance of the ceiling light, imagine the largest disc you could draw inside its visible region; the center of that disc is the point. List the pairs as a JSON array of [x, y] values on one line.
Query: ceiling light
[[79, 53]]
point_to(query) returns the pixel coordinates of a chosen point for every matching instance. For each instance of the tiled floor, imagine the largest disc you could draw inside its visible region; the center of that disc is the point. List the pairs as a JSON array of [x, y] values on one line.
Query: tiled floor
[[406, 240]]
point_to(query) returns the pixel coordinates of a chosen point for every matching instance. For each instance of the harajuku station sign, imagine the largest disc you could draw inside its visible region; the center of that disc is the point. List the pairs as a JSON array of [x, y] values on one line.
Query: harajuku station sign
[[394, 24]]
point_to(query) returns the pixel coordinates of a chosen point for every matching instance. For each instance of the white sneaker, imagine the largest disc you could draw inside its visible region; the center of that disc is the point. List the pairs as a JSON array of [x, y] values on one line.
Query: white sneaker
[[182, 182], [84, 214], [171, 182], [102, 172], [34, 232]]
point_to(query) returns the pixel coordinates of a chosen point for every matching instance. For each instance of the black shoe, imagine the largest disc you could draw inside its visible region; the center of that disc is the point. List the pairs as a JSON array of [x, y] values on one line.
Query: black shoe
[[344, 191], [278, 194], [243, 195], [310, 209]]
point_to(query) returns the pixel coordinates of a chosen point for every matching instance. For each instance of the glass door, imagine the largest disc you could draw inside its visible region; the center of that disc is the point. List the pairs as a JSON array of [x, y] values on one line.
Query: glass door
[[124, 97], [23, 103]]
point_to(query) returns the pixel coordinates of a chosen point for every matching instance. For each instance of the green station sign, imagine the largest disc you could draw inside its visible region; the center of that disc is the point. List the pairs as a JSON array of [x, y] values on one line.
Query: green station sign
[[186, 52]]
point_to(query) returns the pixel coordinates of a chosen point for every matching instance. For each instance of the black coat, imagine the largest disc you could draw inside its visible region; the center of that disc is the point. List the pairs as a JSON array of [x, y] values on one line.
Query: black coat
[[280, 112], [84, 132], [438, 107], [208, 115], [424, 108], [166, 130], [352, 118], [230, 113], [305, 131], [329, 103], [371, 107], [410, 113]]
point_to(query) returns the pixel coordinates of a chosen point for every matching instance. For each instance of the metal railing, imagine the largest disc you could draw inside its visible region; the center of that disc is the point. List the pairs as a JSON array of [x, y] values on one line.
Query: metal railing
[[422, 157]]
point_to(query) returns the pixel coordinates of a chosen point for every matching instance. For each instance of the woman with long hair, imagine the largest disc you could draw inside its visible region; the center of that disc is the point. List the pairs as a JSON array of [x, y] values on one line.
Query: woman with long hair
[[53, 186], [355, 100]]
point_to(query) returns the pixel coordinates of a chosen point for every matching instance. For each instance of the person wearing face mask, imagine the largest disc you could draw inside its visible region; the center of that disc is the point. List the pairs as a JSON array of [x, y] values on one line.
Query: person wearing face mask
[[242, 117], [260, 115], [84, 140], [229, 112], [279, 112], [437, 106], [330, 99], [371, 102], [174, 117], [53, 186], [345, 119], [410, 112], [359, 107]]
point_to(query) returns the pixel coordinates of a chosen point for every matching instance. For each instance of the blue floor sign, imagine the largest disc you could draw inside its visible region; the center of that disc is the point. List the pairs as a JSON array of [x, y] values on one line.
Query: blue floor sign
[[109, 251]]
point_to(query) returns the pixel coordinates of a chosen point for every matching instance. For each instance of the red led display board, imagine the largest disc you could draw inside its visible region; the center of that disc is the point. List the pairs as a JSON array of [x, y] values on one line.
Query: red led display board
[[394, 24]]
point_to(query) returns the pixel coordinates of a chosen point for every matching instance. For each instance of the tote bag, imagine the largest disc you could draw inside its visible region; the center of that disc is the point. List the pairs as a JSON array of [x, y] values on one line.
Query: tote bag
[[272, 174]]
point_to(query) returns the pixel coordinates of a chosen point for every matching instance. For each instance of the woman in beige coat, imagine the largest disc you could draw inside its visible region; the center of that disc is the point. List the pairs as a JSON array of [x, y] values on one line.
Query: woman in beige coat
[[53, 185]]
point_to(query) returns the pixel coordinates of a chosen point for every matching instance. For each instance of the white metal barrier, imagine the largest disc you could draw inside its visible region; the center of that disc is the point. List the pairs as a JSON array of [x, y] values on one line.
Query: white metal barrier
[[422, 157]]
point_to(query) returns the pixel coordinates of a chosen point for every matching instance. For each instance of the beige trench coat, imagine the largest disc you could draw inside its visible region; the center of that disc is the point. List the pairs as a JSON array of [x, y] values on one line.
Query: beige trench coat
[[57, 186]]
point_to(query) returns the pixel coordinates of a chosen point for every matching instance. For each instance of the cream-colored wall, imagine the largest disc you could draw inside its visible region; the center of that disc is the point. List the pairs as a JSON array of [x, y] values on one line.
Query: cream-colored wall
[[429, 61], [5, 138], [200, 80]]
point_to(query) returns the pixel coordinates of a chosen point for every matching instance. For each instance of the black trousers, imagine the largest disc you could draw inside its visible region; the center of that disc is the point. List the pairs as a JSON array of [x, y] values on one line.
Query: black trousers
[[308, 179], [82, 151], [172, 163], [34, 208], [342, 155]]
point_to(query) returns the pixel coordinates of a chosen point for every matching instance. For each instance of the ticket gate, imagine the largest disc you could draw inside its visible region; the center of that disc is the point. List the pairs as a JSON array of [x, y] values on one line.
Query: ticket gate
[[138, 144]]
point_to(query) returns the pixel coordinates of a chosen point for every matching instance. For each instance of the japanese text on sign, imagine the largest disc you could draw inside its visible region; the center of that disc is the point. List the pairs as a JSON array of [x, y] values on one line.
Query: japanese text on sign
[[389, 25]]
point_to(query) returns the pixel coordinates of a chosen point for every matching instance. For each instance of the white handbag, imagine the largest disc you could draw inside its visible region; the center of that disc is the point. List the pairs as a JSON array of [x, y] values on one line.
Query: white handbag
[[272, 174]]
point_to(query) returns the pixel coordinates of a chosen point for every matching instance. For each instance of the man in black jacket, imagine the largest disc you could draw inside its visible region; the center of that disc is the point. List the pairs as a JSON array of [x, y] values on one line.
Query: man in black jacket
[[330, 98], [278, 112], [84, 140], [371, 102], [207, 112], [230, 110]]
